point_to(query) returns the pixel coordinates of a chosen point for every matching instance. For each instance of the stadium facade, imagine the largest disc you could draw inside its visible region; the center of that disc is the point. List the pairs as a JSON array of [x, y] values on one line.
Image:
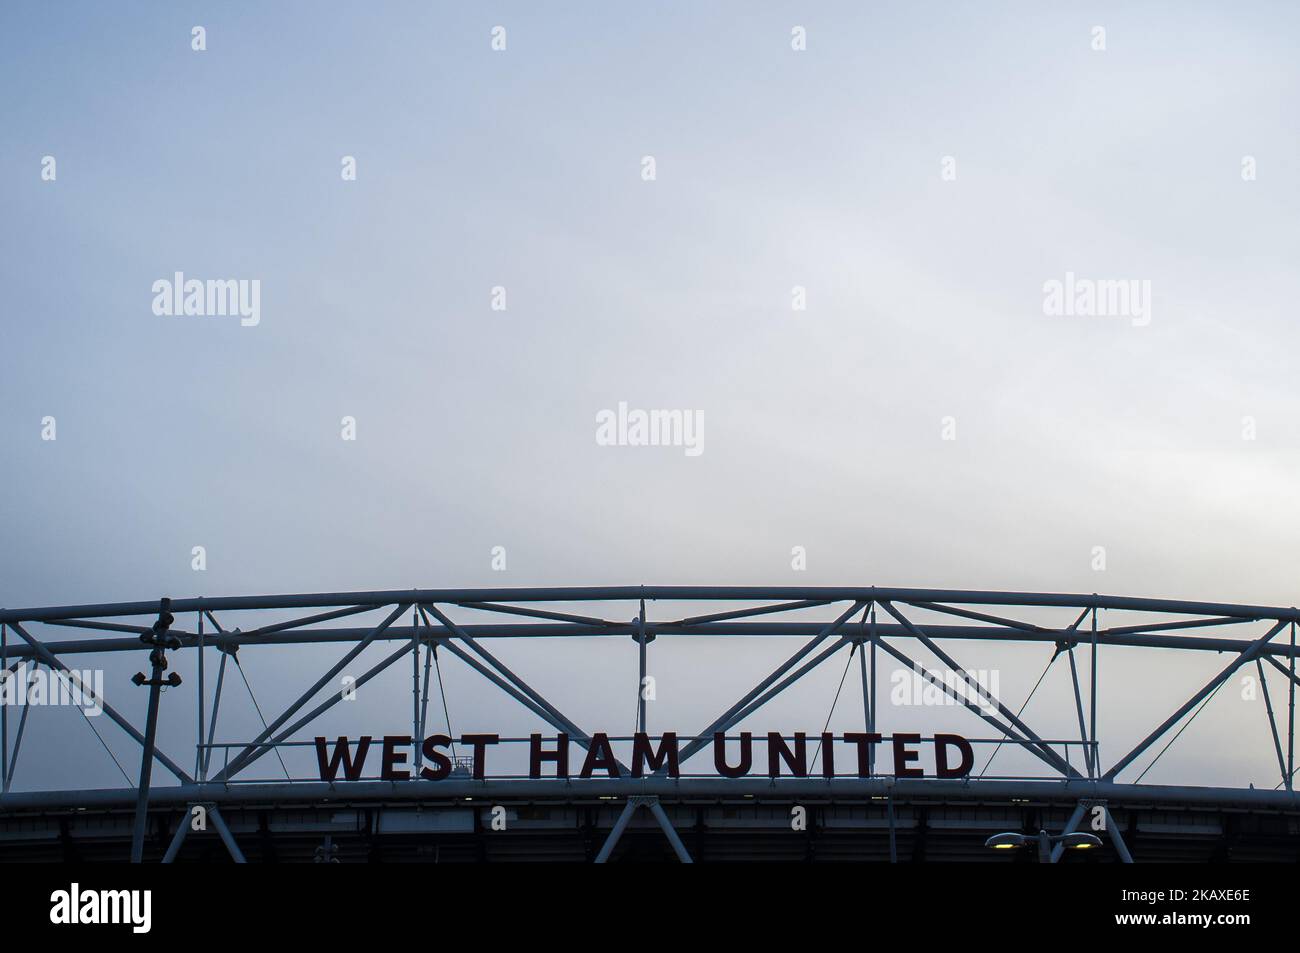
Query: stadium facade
[[591, 796]]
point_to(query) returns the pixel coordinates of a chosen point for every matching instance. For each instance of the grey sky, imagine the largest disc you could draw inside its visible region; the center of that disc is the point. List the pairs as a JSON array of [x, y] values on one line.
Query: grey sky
[[775, 168]]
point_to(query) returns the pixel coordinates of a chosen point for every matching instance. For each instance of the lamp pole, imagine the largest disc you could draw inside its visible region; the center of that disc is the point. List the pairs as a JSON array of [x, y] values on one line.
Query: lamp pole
[[160, 640]]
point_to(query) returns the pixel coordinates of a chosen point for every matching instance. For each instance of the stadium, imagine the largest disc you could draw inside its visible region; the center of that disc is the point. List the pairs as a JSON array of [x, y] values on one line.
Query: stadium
[[569, 792]]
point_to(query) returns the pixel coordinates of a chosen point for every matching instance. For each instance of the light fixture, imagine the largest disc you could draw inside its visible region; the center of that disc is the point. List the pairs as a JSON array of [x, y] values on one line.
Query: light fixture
[[1006, 841], [1075, 840], [1079, 840]]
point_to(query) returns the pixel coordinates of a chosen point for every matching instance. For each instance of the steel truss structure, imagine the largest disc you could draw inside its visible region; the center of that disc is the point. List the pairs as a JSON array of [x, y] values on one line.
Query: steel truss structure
[[873, 623]]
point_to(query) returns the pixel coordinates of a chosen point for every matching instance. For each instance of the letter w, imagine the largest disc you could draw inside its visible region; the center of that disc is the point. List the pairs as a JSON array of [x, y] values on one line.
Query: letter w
[[329, 769]]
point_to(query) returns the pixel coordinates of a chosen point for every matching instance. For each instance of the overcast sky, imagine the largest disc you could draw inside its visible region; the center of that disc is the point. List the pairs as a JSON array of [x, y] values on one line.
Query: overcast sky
[[921, 171]]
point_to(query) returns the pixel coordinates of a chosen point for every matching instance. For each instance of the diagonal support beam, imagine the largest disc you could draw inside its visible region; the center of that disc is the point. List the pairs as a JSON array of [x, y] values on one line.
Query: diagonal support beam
[[308, 620], [733, 714], [620, 825], [1088, 759], [514, 685], [748, 613], [18, 744], [670, 832], [506, 687], [1055, 759], [651, 804], [1116, 838], [565, 724], [541, 614], [227, 838], [1070, 827], [1007, 730], [246, 755], [311, 716], [980, 616], [1112, 831], [789, 680], [1248, 654], [54, 662], [1173, 626], [1281, 668], [1272, 722], [182, 830]]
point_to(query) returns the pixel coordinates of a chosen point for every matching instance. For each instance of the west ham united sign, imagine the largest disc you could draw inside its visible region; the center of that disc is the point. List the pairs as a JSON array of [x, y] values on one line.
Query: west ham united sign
[[549, 756]]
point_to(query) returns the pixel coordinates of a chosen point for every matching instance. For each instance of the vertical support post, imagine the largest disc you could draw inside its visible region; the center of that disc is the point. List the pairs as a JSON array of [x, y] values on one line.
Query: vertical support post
[[862, 672], [1092, 704], [198, 747], [1290, 732], [216, 710], [871, 722], [866, 691], [416, 739], [4, 710], [640, 688], [429, 649]]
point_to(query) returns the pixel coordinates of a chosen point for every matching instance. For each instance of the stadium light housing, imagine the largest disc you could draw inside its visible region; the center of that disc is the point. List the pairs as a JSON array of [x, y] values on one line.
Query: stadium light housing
[[1006, 841], [1079, 840], [1075, 840]]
